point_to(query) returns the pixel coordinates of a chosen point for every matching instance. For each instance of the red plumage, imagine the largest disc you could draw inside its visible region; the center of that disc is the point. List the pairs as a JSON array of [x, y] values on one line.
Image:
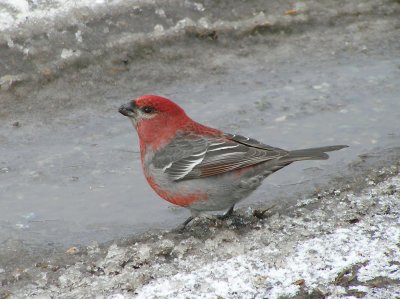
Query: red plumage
[[202, 168]]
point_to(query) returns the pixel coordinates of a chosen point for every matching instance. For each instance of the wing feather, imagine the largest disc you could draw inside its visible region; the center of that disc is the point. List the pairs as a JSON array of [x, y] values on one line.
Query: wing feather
[[192, 156]]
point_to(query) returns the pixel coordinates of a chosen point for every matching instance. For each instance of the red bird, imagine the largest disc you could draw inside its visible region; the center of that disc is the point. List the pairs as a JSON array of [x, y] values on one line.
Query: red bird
[[198, 167]]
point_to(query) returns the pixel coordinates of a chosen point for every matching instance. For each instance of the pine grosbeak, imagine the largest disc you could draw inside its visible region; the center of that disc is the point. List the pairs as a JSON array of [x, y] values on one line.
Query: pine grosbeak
[[198, 167]]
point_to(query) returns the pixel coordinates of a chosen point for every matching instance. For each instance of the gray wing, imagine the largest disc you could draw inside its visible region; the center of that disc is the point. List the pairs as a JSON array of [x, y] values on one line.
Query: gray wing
[[254, 143], [194, 156]]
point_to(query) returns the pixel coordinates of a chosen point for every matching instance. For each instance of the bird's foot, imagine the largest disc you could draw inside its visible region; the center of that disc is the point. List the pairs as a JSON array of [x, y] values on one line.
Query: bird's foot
[[181, 228], [224, 216], [262, 214], [227, 215]]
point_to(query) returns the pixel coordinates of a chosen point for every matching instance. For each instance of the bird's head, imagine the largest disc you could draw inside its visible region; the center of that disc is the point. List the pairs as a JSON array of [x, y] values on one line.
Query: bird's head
[[156, 119]]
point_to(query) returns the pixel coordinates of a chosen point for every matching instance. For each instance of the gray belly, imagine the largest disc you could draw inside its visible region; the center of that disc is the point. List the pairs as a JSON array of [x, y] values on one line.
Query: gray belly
[[227, 190], [223, 190]]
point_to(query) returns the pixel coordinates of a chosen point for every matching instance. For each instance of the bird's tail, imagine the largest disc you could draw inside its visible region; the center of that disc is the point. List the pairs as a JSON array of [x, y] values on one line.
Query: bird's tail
[[316, 153]]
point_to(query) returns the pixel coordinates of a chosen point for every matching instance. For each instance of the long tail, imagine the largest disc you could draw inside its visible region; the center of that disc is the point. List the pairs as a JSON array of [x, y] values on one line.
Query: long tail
[[316, 153]]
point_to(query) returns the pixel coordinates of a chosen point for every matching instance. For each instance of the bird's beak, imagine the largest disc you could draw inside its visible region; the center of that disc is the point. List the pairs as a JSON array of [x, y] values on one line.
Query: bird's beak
[[128, 109]]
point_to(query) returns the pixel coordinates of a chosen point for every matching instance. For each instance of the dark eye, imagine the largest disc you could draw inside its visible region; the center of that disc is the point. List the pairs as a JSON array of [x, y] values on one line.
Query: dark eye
[[147, 109]]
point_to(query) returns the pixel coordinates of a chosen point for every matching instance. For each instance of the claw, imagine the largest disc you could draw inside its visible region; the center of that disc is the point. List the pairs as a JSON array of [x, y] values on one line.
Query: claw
[[181, 228], [228, 214], [260, 214]]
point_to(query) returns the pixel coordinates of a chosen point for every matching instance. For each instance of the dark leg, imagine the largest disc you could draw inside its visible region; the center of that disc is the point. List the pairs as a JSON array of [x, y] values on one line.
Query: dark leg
[[182, 226], [261, 214], [228, 214], [187, 221]]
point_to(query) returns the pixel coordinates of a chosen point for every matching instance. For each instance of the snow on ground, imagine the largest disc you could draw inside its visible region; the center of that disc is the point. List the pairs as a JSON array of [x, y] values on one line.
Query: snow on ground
[[316, 261], [15, 12], [338, 244], [372, 245]]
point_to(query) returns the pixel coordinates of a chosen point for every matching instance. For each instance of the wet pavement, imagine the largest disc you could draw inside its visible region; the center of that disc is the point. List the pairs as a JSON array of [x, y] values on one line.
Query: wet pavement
[[80, 178]]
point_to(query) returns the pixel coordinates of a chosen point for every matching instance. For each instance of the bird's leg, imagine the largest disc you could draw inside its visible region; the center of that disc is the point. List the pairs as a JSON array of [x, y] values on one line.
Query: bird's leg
[[261, 214], [187, 221], [228, 213], [182, 226]]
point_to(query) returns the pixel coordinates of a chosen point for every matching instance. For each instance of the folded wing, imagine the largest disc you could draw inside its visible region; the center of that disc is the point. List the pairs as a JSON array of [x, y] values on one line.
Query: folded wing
[[192, 156]]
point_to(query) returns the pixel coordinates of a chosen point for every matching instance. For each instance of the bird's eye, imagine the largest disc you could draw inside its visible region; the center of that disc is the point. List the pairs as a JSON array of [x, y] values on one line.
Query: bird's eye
[[147, 109]]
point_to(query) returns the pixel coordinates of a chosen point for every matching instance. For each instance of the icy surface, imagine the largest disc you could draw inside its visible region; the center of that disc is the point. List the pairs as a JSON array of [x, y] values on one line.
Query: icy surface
[[372, 246], [291, 74], [346, 246]]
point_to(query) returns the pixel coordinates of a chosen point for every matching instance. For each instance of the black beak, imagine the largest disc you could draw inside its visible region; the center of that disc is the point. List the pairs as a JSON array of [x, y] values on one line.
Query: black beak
[[128, 109]]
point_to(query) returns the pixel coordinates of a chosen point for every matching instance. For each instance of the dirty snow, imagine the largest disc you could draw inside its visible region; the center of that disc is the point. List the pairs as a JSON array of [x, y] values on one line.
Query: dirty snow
[[15, 12], [297, 65], [317, 261], [337, 244]]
